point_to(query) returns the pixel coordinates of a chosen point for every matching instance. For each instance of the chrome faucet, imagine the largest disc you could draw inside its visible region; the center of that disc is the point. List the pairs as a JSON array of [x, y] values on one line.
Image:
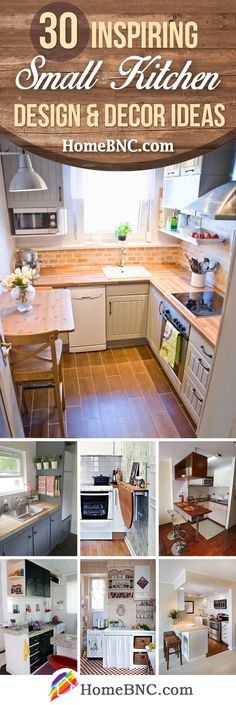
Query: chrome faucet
[[123, 253]]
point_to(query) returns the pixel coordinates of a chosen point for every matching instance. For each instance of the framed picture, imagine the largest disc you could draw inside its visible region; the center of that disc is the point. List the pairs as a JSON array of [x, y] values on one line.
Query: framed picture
[[189, 606], [134, 473]]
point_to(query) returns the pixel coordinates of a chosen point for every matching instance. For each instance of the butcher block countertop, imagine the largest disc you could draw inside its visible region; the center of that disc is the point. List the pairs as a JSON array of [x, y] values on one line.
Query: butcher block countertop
[[10, 526], [167, 278], [194, 513]]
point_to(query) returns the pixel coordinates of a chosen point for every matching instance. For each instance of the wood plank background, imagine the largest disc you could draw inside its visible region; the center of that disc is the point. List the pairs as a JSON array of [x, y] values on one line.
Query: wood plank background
[[216, 51]]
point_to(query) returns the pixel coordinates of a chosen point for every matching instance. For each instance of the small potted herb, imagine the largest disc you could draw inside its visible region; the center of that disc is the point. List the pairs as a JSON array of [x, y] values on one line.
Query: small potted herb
[[114, 623], [38, 463], [174, 616], [123, 230], [46, 462], [54, 460]]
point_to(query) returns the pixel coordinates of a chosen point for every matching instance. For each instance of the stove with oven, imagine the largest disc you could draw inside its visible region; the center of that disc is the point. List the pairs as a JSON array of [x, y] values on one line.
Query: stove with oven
[[96, 512]]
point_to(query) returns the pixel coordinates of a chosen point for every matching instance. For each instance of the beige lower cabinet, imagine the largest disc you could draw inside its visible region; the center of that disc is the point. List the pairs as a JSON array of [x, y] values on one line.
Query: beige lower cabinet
[[126, 311], [196, 374]]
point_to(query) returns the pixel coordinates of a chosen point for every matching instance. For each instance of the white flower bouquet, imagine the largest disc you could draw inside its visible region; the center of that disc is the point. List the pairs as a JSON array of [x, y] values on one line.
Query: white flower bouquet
[[19, 283], [20, 277]]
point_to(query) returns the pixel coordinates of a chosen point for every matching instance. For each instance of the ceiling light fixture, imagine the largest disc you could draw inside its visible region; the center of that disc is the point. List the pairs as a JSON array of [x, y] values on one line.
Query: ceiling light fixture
[[26, 178]]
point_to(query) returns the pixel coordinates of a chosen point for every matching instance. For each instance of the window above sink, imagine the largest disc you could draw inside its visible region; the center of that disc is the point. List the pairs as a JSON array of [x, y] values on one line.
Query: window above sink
[[12, 471]]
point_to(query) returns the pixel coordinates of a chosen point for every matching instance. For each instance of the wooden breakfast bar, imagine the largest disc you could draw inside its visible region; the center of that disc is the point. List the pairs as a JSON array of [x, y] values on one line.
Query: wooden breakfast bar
[[195, 511], [52, 310]]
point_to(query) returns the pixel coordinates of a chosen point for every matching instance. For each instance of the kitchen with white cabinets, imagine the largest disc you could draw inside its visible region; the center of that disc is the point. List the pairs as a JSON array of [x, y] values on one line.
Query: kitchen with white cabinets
[[118, 617], [197, 604], [117, 498], [38, 611], [197, 498], [38, 498], [122, 295]]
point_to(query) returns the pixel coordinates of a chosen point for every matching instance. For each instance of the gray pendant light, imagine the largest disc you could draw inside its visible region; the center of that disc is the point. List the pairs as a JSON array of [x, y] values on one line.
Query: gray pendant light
[[26, 178]]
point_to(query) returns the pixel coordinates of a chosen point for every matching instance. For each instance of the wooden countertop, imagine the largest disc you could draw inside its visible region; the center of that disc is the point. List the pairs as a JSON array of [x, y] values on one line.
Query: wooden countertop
[[194, 513], [167, 278], [52, 310], [10, 526]]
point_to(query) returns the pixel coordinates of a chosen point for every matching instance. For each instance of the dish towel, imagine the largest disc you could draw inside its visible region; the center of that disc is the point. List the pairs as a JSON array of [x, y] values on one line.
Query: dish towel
[[41, 484], [171, 345], [117, 651], [50, 486]]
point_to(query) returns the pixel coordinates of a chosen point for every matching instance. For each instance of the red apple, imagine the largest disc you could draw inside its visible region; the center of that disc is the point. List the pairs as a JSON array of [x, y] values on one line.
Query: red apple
[[215, 236]]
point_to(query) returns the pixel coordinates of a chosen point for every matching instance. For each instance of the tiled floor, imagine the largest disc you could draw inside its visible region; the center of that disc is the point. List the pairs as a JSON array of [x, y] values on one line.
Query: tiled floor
[[118, 393]]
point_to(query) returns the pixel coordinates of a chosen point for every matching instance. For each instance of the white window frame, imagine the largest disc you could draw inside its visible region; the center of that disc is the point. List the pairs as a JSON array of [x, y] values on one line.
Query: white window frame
[[98, 577], [21, 454], [145, 208]]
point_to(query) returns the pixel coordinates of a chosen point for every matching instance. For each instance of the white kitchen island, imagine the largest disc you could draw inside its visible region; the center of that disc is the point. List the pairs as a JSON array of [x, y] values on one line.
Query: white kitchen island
[[194, 639], [126, 648]]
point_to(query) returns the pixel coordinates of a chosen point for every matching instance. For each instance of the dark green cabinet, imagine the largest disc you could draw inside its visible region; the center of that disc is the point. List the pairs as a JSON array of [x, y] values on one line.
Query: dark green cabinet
[[37, 580]]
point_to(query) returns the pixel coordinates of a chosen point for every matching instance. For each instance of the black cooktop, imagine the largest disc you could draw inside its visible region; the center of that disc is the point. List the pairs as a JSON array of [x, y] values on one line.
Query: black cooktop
[[201, 303]]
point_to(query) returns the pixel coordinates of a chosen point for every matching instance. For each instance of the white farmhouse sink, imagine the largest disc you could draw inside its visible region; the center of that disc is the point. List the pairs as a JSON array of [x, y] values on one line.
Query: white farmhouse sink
[[126, 272]]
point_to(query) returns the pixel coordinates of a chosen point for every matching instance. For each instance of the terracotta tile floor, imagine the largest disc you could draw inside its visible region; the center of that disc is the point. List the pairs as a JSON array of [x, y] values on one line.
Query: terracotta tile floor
[[118, 393]]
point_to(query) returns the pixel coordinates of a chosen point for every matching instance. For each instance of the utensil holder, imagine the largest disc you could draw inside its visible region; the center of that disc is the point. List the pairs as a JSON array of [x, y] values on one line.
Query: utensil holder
[[198, 280]]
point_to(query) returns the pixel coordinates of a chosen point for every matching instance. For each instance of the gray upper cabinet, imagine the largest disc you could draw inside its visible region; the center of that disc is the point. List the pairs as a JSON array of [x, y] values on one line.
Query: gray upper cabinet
[[41, 537], [50, 171], [20, 544]]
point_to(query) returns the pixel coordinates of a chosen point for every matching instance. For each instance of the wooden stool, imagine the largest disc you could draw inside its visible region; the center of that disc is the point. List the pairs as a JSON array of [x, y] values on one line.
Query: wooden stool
[[173, 646], [165, 634]]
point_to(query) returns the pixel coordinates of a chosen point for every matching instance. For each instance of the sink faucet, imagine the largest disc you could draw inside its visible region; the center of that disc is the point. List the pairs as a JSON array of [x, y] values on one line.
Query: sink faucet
[[123, 253], [121, 621], [18, 500]]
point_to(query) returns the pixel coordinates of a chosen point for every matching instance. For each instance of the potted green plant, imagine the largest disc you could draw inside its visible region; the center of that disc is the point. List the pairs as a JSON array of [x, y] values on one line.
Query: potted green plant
[[38, 463], [123, 230], [113, 623], [174, 615], [46, 462], [54, 460]]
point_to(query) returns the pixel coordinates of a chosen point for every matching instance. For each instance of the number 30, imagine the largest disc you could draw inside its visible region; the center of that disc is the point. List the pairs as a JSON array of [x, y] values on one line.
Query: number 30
[[66, 20]]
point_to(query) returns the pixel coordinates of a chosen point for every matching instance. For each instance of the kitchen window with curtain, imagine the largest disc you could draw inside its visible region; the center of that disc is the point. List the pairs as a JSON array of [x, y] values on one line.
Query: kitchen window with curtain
[[98, 590], [102, 200], [12, 471], [71, 594]]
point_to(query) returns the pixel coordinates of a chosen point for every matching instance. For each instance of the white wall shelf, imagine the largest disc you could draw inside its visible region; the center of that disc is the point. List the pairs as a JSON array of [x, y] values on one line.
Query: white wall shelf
[[192, 240]]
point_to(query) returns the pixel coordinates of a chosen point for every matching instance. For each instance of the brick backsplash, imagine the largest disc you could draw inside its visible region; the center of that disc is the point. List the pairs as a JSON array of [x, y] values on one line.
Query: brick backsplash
[[104, 256]]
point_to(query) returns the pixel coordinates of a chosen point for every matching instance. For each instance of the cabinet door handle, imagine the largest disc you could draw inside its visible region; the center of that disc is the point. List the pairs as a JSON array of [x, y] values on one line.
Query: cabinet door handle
[[59, 194], [198, 398], [160, 308], [29, 537], [204, 367], [52, 520], [109, 308], [188, 170], [205, 352], [35, 532]]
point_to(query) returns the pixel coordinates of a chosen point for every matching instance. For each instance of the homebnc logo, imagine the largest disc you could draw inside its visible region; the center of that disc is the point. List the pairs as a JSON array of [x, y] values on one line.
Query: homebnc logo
[[64, 682]]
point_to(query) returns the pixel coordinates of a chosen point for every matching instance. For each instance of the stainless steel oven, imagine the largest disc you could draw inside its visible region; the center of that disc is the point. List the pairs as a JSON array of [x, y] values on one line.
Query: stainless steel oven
[[39, 221], [215, 629], [170, 314]]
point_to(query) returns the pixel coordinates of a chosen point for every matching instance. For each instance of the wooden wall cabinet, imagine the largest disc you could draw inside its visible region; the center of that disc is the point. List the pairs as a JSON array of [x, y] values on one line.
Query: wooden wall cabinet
[[193, 465]]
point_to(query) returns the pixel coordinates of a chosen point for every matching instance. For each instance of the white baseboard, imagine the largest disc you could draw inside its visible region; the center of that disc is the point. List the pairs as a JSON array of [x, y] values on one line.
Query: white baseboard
[[131, 550]]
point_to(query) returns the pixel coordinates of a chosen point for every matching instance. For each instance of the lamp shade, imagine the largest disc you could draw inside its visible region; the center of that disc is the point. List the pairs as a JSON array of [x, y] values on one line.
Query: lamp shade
[[26, 178]]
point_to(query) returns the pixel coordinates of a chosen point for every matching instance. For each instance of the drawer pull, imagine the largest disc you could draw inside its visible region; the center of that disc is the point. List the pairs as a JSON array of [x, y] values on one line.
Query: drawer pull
[[205, 352], [201, 363], [198, 398]]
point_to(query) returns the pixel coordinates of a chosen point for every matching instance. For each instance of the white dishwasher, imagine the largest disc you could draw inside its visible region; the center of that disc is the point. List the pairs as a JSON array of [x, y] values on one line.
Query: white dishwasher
[[89, 310]]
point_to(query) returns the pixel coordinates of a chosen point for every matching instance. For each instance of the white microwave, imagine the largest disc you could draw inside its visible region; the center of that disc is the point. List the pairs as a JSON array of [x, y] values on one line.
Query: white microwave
[[39, 221], [208, 481]]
